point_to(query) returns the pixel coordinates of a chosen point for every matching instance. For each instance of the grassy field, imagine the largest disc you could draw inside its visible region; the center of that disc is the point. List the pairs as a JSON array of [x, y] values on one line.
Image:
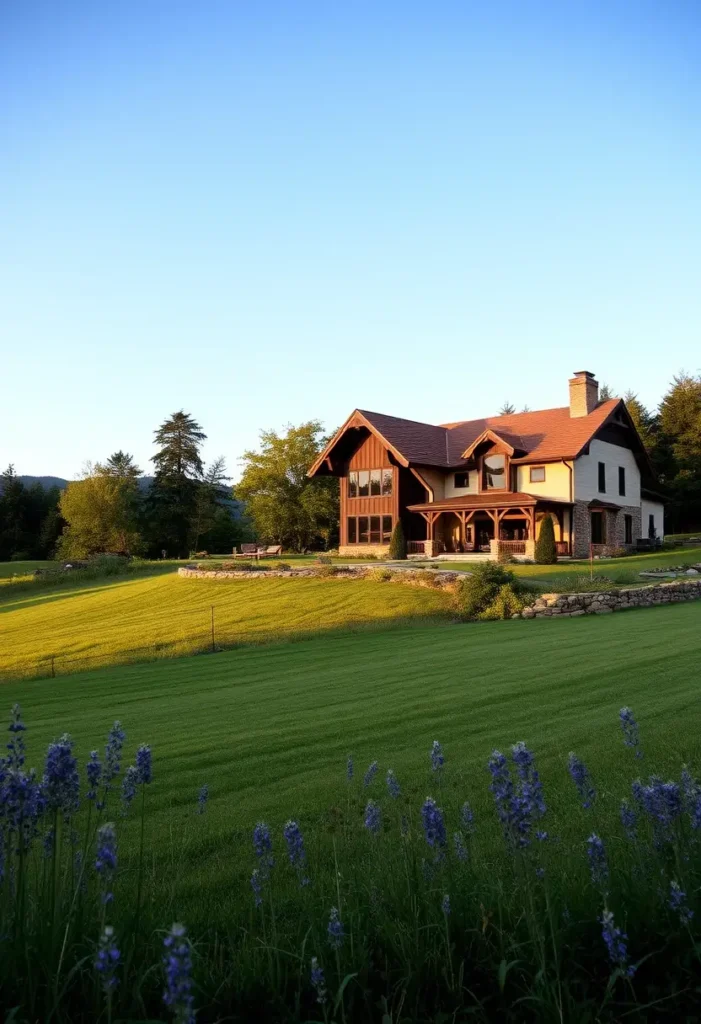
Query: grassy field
[[268, 729], [162, 615]]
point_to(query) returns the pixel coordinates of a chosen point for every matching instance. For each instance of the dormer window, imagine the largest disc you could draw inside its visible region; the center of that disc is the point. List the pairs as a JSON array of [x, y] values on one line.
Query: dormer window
[[494, 473], [462, 480]]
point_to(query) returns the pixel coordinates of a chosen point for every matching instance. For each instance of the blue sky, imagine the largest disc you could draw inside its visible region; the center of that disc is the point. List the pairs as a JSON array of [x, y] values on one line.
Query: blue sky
[[268, 212]]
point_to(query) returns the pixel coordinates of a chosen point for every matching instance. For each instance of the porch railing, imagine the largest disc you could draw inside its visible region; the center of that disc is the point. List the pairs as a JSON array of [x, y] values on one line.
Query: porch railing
[[514, 547], [416, 547]]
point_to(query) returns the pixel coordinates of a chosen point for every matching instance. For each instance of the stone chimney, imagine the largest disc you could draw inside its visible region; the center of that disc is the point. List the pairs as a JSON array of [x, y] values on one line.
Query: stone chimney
[[584, 393]]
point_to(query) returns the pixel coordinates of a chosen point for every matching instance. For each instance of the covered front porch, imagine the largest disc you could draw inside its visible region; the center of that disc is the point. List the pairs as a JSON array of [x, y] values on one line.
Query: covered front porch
[[487, 524]]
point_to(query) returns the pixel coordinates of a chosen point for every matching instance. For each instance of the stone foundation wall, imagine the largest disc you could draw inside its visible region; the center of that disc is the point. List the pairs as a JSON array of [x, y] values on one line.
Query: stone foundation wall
[[615, 528], [605, 602], [582, 529], [361, 550]]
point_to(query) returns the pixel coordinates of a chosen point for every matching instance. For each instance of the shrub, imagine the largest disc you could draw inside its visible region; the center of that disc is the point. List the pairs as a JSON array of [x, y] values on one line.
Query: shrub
[[397, 543], [324, 560], [380, 575], [507, 602], [20, 556], [327, 569], [504, 556], [476, 593], [282, 567], [581, 583], [545, 550]]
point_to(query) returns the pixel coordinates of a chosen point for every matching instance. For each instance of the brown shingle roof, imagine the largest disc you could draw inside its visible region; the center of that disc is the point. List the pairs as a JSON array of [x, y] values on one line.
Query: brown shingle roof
[[548, 434], [487, 499]]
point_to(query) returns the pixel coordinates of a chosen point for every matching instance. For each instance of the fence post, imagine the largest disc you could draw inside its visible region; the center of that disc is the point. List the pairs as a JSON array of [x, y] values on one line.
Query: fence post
[[53, 667], [213, 646]]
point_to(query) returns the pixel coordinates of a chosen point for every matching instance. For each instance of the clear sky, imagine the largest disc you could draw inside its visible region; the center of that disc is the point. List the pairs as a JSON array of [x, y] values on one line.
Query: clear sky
[[267, 212]]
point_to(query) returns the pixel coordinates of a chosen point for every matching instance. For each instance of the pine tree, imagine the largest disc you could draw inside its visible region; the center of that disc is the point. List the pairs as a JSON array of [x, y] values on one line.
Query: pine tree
[[122, 466], [397, 543], [507, 409], [172, 500], [180, 439], [545, 550]]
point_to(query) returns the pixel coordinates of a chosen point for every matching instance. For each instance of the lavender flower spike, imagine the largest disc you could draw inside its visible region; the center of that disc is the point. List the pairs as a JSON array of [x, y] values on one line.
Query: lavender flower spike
[[629, 820], [437, 758], [445, 905], [318, 981], [106, 859], [93, 770], [202, 799], [129, 784], [61, 780], [616, 943], [373, 817], [677, 902], [467, 817], [582, 780], [434, 826], [16, 748], [629, 725], [597, 860], [143, 765], [393, 787], [295, 850], [263, 846], [349, 768], [107, 960], [178, 973], [370, 773], [460, 848], [257, 887], [335, 930]]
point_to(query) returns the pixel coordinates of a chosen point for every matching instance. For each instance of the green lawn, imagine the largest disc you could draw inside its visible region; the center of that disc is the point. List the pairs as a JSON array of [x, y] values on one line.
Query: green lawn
[[9, 569], [269, 728], [160, 614]]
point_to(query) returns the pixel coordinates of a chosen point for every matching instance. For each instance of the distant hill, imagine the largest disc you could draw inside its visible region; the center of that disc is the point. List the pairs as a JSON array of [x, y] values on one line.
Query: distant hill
[[45, 481]]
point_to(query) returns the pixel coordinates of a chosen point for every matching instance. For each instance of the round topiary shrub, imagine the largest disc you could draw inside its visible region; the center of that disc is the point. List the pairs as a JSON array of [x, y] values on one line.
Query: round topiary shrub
[[545, 550], [397, 543]]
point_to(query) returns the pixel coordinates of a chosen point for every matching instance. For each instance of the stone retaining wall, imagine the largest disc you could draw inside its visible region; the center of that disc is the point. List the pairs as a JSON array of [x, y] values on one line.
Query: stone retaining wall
[[605, 602], [438, 578]]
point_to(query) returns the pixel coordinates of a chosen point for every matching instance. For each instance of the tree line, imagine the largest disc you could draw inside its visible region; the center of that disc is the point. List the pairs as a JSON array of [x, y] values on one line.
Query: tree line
[[189, 506], [186, 507]]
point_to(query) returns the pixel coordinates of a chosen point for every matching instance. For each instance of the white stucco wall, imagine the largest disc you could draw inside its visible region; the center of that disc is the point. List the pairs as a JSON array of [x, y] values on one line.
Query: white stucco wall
[[656, 509], [555, 485], [451, 491], [586, 474], [435, 479]]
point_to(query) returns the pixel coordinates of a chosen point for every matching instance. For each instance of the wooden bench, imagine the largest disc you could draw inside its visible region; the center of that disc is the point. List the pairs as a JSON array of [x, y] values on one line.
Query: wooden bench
[[256, 551]]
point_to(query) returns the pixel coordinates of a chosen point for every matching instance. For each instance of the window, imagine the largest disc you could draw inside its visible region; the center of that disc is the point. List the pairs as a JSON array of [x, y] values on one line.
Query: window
[[598, 528], [369, 529], [628, 523], [370, 483], [462, 480], [602, 478], [493, 474], [537, 475], [621, 480]]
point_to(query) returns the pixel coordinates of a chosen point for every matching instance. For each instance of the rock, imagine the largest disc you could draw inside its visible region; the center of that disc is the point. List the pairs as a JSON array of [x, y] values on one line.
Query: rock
[[691, 572]]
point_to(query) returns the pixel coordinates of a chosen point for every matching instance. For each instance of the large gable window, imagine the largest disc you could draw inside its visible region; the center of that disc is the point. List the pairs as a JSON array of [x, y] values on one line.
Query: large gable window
[[366, 483], [494, 473]]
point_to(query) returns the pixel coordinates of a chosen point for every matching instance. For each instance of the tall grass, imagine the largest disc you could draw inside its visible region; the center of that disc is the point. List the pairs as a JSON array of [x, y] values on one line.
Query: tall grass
[[398, 906]]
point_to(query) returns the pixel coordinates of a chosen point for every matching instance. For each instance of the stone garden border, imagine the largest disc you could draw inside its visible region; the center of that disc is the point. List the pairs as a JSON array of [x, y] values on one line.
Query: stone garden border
[[606, 601], [438, 579]]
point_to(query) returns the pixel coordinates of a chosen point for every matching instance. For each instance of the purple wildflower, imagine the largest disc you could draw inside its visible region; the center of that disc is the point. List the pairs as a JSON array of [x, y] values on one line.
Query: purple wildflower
[[112, 763], [107, 960], [467, 817], [318, 981], [434, 826], [517, 806], [129, 784], [178, 974], [531, 788], [502, 787], [263, 846], [662, 802], [349, 768], [15, 758], [629, 820], [445, 905], [22, 802], [631, 736], [582, 780], [106, 859], [598, 864], [202, 799], [393, 787], [334, 930], [295, 850], [404, 825], [370, 773], [373, 817], [460, 848], [437, 758], [677, 903], [143, 765], [61, 783], [257, 886], [616, 943], [93, 770]]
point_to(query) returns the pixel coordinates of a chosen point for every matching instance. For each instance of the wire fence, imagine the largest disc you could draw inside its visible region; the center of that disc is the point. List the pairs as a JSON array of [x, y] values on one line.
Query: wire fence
[[211, 639]]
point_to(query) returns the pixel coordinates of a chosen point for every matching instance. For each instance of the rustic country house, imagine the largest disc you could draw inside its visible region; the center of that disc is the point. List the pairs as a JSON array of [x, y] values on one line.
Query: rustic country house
[[482, 485]]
